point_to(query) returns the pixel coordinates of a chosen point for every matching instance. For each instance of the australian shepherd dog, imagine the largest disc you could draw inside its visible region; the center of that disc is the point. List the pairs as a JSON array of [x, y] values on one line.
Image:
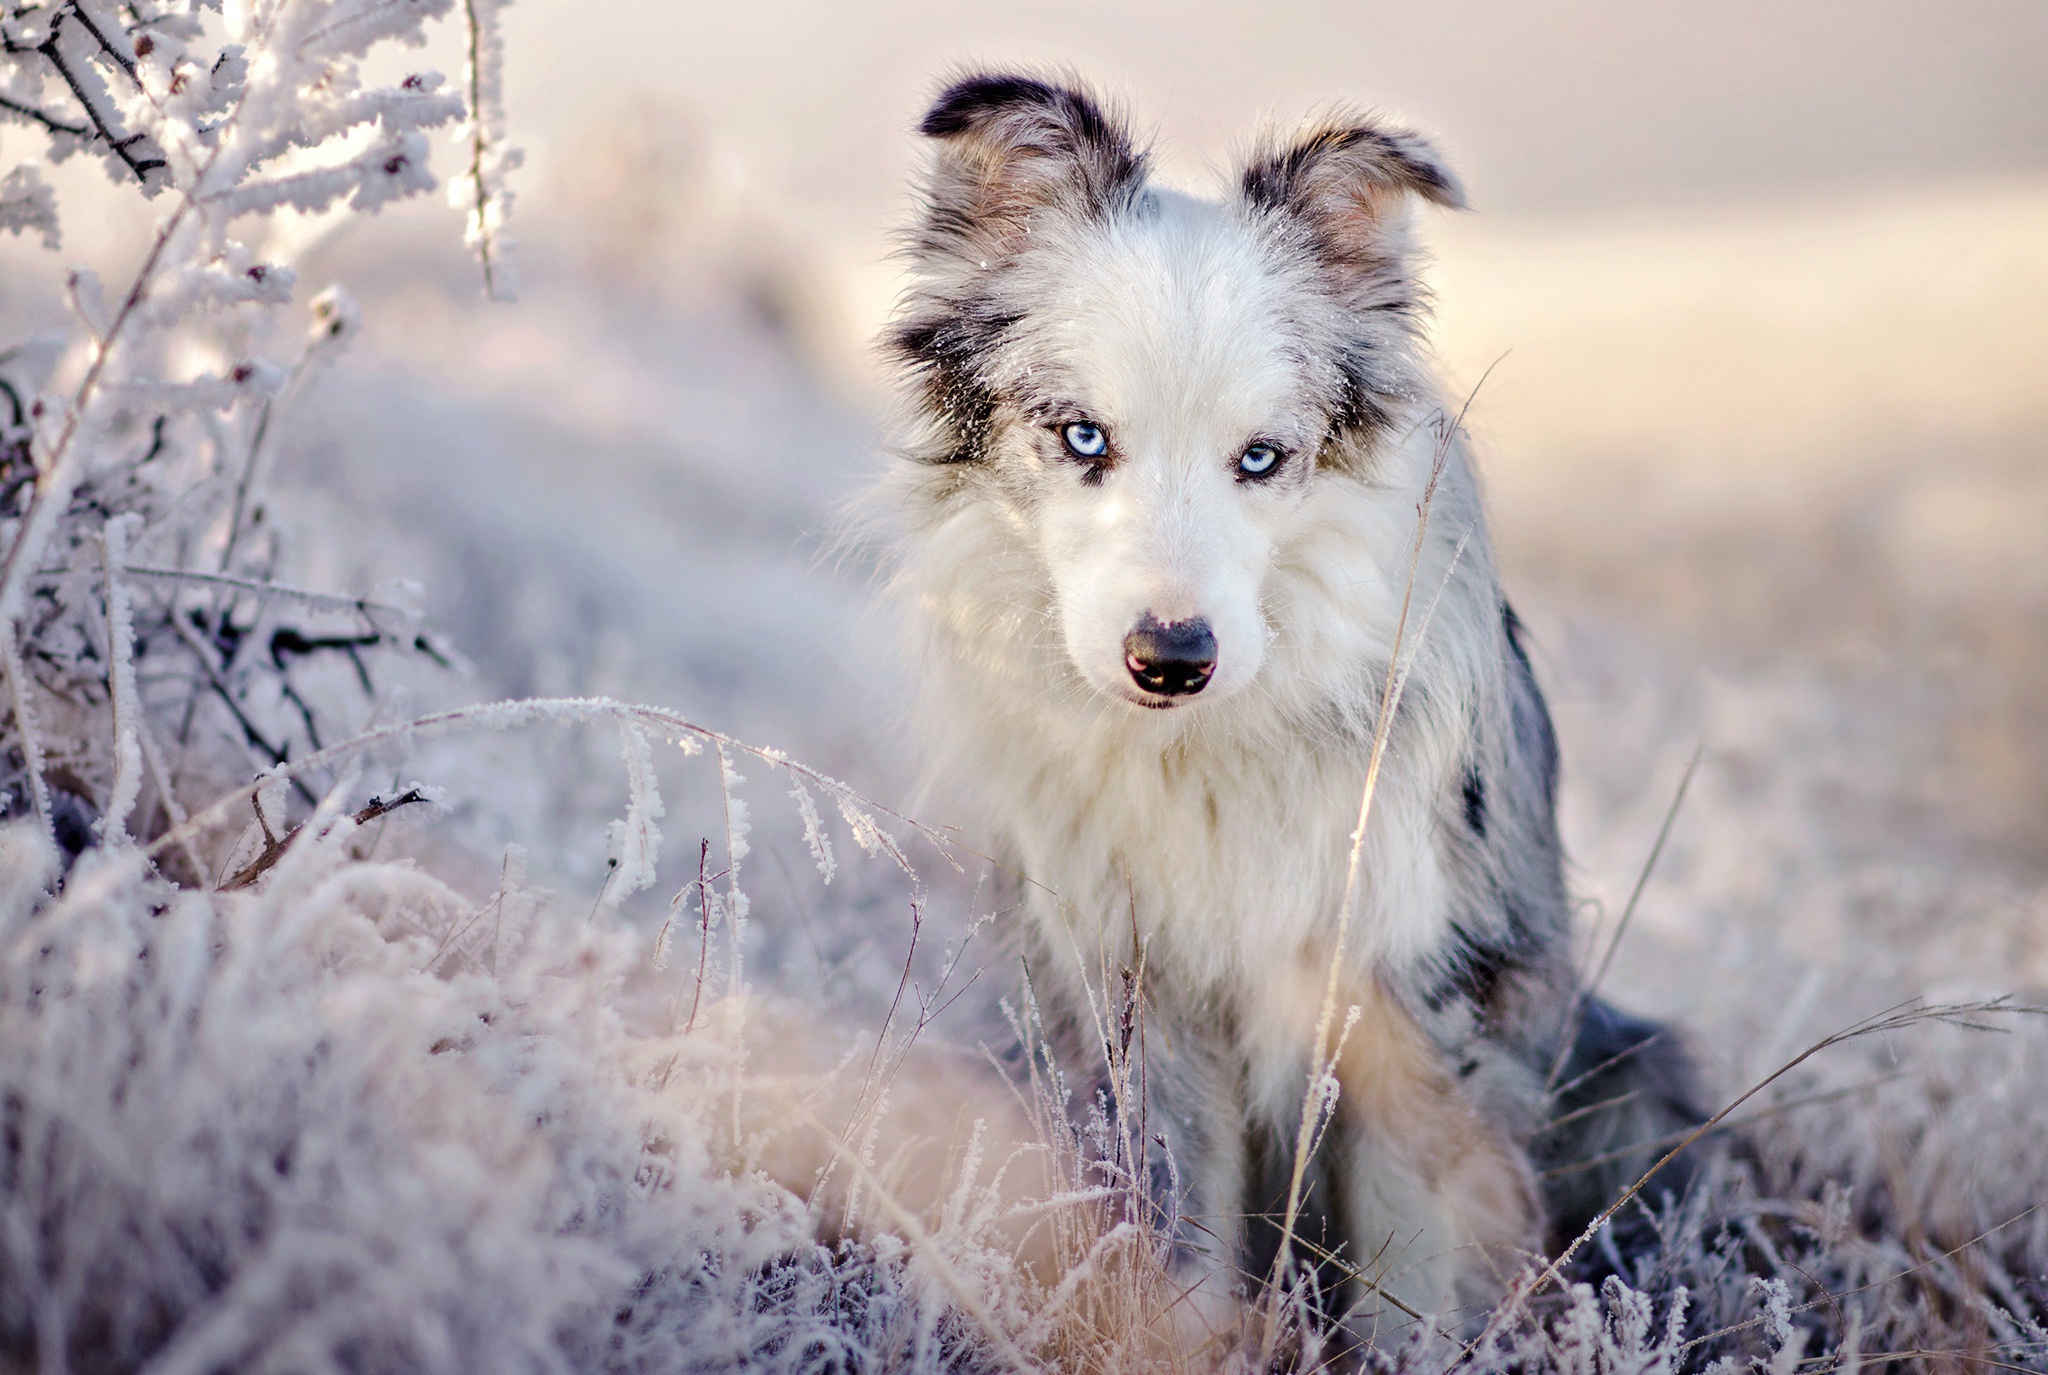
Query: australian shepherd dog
[[1159, 497]]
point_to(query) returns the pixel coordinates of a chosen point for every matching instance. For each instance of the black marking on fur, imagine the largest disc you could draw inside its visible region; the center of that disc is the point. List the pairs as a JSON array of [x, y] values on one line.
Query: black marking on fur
[[970, 103], [944, 355], [1338, 185], [1478, 965], [1472, 793], [1361, 405], [971, 100], [1375, 156], [1530, 716], [1481, 964], [1012, 148], [1323, 1219], [1021, 116], [1334, 194], [1364, 404], [1628, 1089], [1363, 413]]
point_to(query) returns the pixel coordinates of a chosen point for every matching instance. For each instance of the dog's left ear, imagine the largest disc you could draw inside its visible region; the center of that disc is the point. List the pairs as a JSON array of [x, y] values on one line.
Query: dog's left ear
[[1349, 180], [1012, 147]]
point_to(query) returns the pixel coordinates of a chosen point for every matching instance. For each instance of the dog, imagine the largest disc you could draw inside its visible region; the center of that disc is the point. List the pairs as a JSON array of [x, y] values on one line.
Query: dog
[[1157, 510]]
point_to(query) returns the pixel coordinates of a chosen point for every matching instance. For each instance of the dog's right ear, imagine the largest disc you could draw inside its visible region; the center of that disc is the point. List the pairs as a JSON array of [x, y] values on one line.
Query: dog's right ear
[[1011, 148], [1346, 180]]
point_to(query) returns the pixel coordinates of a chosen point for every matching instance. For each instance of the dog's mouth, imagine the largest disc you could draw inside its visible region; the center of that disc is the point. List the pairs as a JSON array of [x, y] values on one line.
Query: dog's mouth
[[1151, 701]]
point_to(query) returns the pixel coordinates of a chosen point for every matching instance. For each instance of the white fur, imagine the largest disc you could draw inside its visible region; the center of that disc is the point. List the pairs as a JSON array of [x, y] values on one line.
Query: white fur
[[1213, 830], [1241, 798]]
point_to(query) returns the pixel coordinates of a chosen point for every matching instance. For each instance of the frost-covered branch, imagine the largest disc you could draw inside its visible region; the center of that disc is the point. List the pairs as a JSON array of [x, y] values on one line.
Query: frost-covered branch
[[49, 122], [481, 192], [641, 723], [73, 46], [235, 113]]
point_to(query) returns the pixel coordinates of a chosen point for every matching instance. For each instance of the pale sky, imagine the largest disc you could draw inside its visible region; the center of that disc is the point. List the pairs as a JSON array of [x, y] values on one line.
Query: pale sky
[[1559, 104]]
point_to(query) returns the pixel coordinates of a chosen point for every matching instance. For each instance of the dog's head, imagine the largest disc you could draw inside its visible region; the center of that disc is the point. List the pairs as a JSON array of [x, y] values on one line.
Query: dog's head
[[1154, 383]]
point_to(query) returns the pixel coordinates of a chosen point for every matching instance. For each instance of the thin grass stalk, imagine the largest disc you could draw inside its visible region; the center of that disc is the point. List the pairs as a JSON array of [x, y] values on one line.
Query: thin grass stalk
[[1897, 1017], [1382, 727]]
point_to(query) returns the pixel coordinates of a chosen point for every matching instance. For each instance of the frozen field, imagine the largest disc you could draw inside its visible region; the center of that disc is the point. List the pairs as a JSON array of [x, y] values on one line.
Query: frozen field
[[1761, 304]]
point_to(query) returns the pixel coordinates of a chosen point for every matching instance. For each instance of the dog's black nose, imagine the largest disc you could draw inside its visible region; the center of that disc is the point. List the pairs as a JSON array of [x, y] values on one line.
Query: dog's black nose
[[1172, 660]]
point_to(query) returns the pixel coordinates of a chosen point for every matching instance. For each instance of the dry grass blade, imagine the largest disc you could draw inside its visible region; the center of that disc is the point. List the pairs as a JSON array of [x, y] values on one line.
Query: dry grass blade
[[1593, 1162], [1893, 1278], [274, 847], [921, 1243], [1305, 1131], [1900, 1016], [515, 712]]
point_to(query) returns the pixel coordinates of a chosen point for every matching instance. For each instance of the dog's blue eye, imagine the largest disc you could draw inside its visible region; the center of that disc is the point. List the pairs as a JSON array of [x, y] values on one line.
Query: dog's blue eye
[[1085, 440], [1258, 460]]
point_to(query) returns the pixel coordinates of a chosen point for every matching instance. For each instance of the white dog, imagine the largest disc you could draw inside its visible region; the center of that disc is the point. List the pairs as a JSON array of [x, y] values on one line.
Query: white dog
[[1158, 507]]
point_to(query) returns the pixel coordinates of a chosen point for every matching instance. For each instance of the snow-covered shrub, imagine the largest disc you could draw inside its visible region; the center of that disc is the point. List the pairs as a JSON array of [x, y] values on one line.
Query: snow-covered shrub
[[151, 654], [348, 1119]]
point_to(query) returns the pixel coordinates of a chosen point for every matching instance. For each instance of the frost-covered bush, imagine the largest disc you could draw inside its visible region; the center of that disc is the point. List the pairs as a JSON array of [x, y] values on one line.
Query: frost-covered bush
[[350, 1120], [265, 1104], [151, 653]]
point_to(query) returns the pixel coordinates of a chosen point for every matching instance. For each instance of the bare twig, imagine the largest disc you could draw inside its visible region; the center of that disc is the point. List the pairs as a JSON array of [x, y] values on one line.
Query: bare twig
[[1305, 1133], [273, 754], [274, 848], [52, 51], [705, 898], [53, 125]]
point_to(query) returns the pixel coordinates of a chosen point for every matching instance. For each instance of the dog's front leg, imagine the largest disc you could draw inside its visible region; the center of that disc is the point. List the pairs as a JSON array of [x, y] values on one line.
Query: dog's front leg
[[1414, 1202], [1441, 1201]]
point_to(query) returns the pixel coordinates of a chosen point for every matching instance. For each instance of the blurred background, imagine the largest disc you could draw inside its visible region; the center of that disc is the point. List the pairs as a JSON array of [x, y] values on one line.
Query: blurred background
[[1764, 292]]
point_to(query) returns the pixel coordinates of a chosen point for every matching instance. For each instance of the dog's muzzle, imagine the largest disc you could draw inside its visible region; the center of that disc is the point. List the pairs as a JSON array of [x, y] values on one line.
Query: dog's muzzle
[[1172, 660]]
